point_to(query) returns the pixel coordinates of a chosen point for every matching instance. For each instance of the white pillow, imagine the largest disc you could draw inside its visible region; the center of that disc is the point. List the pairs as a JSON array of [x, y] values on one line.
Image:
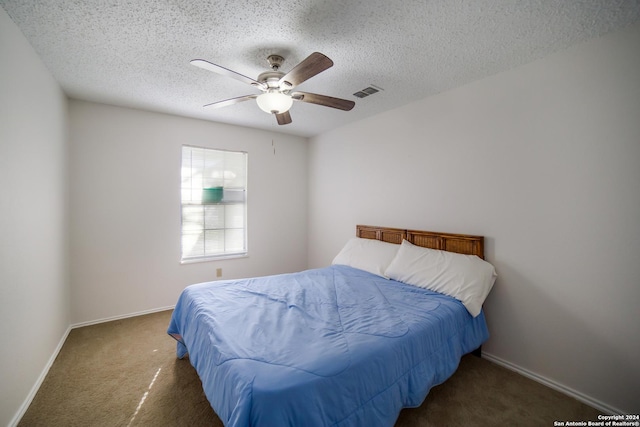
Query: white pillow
[[467, 278], [369, 255]]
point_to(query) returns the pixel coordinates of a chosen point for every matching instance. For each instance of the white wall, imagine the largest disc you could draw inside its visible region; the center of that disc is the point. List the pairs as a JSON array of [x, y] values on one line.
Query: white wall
[[544, 160], [125, 207], [34, 290]]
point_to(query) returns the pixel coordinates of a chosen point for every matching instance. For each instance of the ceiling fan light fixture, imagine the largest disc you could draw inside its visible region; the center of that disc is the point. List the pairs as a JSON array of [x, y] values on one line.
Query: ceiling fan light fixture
[[274, 102]]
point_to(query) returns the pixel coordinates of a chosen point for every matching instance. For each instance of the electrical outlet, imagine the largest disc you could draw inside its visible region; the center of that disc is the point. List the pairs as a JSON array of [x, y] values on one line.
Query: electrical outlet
[[218, 272]]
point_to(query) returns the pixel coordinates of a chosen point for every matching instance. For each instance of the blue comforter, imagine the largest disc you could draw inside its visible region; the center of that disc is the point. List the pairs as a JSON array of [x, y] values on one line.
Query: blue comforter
[[333, 346]]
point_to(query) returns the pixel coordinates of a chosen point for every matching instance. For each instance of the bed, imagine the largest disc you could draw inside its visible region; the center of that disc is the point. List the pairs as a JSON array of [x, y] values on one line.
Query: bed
[[343, 345]]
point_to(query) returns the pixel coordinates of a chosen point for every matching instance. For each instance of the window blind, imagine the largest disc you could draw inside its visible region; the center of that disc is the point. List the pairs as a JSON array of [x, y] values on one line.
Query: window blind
[[214, 203]]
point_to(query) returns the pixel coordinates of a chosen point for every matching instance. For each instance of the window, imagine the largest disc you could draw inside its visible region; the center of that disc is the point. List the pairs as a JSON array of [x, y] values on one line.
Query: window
[[214, 207]]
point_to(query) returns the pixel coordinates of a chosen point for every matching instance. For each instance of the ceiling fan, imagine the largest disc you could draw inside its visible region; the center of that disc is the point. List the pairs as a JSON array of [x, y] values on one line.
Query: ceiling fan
[[277, 96]]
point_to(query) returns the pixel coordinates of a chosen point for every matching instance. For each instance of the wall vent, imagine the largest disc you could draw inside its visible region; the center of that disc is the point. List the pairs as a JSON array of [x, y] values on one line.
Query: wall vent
[[367, 91]]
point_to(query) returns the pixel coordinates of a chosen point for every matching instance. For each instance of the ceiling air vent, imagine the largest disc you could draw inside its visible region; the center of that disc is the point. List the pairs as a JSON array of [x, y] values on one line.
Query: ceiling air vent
[[367, 91]]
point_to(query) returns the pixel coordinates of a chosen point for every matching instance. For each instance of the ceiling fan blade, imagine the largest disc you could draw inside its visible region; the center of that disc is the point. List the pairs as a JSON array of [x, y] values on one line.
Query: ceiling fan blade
[[206, 65], [284, 118], [312, 65], [324, 100], [227, 102]]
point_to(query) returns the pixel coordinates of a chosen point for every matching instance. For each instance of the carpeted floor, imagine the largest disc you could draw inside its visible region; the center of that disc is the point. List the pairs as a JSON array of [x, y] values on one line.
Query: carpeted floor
[[125, 373]]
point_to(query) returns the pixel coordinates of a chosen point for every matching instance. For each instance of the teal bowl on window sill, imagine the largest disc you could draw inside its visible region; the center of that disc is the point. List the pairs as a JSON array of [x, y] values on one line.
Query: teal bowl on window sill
[[211, 195]]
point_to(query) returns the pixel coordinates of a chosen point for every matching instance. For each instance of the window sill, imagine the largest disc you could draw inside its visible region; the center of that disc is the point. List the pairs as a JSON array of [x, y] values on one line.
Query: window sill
[[213, 258]]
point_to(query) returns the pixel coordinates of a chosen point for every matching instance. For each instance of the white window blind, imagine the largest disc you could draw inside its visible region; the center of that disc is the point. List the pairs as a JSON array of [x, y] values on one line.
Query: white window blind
[[214, 203]]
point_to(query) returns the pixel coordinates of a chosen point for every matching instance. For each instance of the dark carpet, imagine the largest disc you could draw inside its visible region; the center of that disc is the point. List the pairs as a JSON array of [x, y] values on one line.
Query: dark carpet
[[125, 373]]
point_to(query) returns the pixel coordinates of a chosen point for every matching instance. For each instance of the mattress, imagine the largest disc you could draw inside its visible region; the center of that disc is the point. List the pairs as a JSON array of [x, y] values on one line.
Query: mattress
[[332, 346]]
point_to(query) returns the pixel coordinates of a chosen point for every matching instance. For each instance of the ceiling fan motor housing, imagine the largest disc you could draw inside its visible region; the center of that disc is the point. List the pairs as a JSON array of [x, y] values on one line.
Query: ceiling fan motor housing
[[271, 79]]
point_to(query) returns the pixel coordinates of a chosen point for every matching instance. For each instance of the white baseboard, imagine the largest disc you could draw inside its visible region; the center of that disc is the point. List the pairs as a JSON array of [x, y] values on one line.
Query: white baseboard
[[25, 405], [122, 316], [601, 406]]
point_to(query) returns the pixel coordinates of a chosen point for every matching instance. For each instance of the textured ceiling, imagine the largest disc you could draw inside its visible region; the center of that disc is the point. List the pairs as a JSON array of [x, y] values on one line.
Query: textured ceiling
[[136, 53]]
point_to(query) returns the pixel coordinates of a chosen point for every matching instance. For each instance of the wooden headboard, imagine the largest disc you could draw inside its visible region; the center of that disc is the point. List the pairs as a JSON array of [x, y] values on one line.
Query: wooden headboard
[[460, 243]]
